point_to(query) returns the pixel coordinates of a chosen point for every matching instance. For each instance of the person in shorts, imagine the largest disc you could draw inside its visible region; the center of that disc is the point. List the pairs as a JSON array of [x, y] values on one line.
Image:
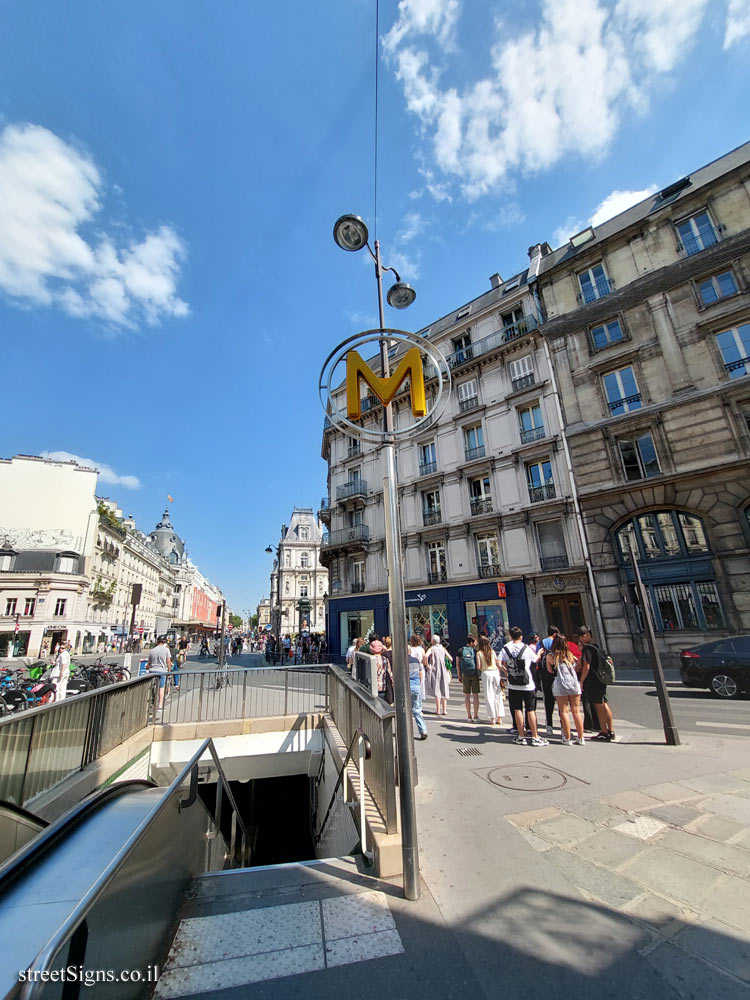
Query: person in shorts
[[159, 662], [468, 675], [519, 660], [594, 687]]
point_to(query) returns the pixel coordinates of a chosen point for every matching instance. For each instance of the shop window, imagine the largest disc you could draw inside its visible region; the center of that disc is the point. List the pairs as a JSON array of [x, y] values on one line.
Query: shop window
[[427, 620], [488, 618]]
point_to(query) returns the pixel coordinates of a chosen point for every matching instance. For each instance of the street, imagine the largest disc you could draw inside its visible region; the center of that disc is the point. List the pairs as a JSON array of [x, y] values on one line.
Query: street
[[694, 710]]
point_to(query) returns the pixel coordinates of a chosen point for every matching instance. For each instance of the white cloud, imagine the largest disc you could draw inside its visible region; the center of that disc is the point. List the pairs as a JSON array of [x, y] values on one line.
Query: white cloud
[[106, 474], [413, 224], [561, 87], [608, 208], [738, 22], [50, 196]]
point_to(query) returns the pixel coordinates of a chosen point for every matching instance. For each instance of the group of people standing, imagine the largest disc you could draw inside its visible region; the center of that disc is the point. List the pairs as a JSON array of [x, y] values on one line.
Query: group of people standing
[[570, 676]]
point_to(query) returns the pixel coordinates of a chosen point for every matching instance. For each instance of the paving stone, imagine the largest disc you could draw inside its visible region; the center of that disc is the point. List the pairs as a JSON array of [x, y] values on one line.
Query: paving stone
[[710, 784], [641, 827], [676, 815], [564, 829], [721, 856], [608, 886], [720, 944], [743, 839], [529, 818], [661, 913], [730, 902], [597, 811], [633, 801], [718, 828], [730, 807], [536, 842], [609, 848], [691, 977], [670, 791], [741, 772], [673, 875]]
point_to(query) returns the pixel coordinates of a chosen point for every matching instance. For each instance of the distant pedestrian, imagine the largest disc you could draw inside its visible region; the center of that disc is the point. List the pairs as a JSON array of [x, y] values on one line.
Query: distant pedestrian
[[560, 664], [468, 675], [437, 679], [545, 677], [416, 656], [351, 653], [489, 668], [519, 661], [159, 662], [60, 672], [593, 672]]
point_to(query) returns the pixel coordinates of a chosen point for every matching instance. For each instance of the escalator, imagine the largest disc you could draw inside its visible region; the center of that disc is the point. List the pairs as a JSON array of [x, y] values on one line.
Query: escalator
[[100, 888], [17, 827]]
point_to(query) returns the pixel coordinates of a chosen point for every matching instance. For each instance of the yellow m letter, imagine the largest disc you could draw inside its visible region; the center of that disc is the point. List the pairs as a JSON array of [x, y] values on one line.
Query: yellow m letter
[[385, 388]]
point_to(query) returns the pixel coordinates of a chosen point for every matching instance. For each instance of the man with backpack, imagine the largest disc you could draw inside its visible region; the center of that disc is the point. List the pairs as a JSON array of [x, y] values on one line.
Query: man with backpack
[[468, 675], [519, 660], [597, 670]]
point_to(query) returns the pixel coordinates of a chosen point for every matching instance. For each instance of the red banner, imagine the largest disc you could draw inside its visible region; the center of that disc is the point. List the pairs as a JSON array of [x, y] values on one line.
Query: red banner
[[501, 590]]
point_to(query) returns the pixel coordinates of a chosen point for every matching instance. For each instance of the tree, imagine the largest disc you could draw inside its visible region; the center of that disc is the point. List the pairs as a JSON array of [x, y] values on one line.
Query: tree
[[254, 621], [235, 621]]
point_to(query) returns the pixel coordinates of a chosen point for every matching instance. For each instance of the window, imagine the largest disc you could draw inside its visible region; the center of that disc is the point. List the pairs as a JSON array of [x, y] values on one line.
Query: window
[[531, 423], [60, 607], [489, 554], [521, 372], [29, 606], [462, 349], [552, 549], [480, 498], [436, 564], [697, 233], [609, 332], [676, 607], [355, 518], [67, 563], [352, 447], [638, 456], [427, 459], [664, 534], [468, 395], [735, 350], [10, 605], [304, 534], [514, 323], [717, 286], [303, 590], [622, 391], [431, 507], [693, 534], [7, 560], [473, 442], [594, 283], [357, 575], [539, 479], [304, 560]]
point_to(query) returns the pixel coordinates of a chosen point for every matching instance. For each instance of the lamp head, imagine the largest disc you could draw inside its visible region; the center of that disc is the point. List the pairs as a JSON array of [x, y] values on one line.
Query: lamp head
[[400, 295], [269, 550], [350, 233]]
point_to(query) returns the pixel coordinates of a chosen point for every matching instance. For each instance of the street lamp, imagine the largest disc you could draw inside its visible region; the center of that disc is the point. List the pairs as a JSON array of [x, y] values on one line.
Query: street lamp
[[350, 233], [271, 549]]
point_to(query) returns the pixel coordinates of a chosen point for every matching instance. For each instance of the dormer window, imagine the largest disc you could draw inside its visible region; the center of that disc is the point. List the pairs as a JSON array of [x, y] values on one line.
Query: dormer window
[[7, 560], [66, 562]]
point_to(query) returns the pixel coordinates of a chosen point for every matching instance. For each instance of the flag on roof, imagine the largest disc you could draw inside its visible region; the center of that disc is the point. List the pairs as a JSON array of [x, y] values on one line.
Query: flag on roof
[[170, 498]]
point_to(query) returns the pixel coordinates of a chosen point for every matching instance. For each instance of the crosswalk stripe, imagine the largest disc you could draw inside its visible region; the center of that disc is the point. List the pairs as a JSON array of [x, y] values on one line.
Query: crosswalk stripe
[[724, 725]]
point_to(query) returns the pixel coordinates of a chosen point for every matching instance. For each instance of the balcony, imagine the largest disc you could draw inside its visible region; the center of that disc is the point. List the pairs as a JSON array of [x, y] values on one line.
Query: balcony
[[533, 434], [369, 403], [736, 369], [354, 488], [692, 243], [539, 493], [625, 404], [353, 449], [432, 516], [492, 342], [489, 569], [441, 576], [427, 468], [523, 382], [358, 588], [480, 505], [464, 405], [603, 287], [550, 563], [357, 534], [473, 453]]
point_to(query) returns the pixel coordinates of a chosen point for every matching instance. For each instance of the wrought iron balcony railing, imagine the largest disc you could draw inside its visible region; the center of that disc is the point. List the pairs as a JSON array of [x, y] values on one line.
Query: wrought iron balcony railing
[[358, 588], [523, 382], [472, 453], [550, 563], [432, 516], [493, 341], [738, 368], [488, 569], [354, 488], [440, 576], [539, 493], [427, 468], [625, 404], [471, 403], [533, 434], [694, 243], [480, 505], [346, 536], [597, 290]]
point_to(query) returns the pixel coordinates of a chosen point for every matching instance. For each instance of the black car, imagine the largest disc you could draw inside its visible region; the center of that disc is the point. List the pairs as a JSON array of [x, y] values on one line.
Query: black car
[[722, 666]]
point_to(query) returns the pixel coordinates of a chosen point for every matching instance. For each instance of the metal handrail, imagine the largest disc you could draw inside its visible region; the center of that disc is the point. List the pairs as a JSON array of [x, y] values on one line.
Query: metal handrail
[[49, 952], [368, 753]]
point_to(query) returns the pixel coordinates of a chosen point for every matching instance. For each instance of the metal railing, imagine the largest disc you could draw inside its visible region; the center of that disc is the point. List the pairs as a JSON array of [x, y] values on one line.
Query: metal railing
[[358, 588], [735, 366], [532, 434], [693, 243], [493, 341], [354, 710], [480, 505], [432, 516], [539, 493], [472, 453], [440, 576], [470, 403], [354, 488], [625, 404], [516, 384], [427, 468], [594, 291], [45, 745], [489, 569], [245, 693], [357, 533], [554, 562], [364, 753], [325, 503]]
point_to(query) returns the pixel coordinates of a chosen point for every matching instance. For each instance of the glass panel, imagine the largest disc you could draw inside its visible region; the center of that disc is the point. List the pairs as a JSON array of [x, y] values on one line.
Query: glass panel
[[708, 291], [686, 605], [710, 605], [602, 285], [551, 539], [667, 608], [630, 462], [587, 287], [426, 620], [649, 536], [489, 618], [623, 540], [669, 538], [648, 455], [705, 229], [629, 386], [599, 336], [726, 284], [693, 533], [355, 625], [614, 330], [488, 550]]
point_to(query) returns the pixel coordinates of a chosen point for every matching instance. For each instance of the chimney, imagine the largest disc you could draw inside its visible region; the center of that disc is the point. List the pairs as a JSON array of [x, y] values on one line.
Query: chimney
[[495, 280], [539, 250]]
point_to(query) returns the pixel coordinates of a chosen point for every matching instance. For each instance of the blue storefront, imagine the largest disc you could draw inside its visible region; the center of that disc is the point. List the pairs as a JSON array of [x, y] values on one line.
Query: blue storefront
[[453, 612]]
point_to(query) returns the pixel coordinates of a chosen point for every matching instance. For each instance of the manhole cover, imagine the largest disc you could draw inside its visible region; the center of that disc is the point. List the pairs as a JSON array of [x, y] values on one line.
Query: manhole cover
[[527, 777], [469, 751]]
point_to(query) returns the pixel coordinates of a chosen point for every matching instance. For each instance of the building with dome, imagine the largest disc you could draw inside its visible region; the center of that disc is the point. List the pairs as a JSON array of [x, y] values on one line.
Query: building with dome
[[167, 542], [299, 582]]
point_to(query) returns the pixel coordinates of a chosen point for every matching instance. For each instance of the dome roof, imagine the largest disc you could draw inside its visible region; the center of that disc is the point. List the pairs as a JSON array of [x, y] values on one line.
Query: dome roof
[[166, 541]]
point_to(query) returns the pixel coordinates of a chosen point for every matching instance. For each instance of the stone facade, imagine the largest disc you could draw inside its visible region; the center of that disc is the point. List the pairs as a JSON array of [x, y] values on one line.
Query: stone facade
[[647, 321], [298, 575]]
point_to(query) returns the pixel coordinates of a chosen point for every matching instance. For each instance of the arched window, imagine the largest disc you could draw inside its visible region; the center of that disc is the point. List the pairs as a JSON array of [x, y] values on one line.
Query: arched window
[[676, 567]]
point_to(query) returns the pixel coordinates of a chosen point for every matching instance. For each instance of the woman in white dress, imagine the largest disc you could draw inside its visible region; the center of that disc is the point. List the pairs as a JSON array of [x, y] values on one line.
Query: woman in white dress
[[437, 678], [488, 664]]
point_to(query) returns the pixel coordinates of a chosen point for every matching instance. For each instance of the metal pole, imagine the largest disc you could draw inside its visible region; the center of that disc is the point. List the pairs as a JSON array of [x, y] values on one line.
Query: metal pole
[[221, 637], [397, 604], [671, 736]]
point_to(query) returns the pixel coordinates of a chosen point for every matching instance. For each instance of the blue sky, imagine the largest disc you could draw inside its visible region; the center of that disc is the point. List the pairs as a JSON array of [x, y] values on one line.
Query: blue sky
[[170, 174]]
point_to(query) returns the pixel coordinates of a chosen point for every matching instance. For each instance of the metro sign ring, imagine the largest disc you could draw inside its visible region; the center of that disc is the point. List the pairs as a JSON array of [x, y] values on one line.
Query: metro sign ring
[[409, 365]]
